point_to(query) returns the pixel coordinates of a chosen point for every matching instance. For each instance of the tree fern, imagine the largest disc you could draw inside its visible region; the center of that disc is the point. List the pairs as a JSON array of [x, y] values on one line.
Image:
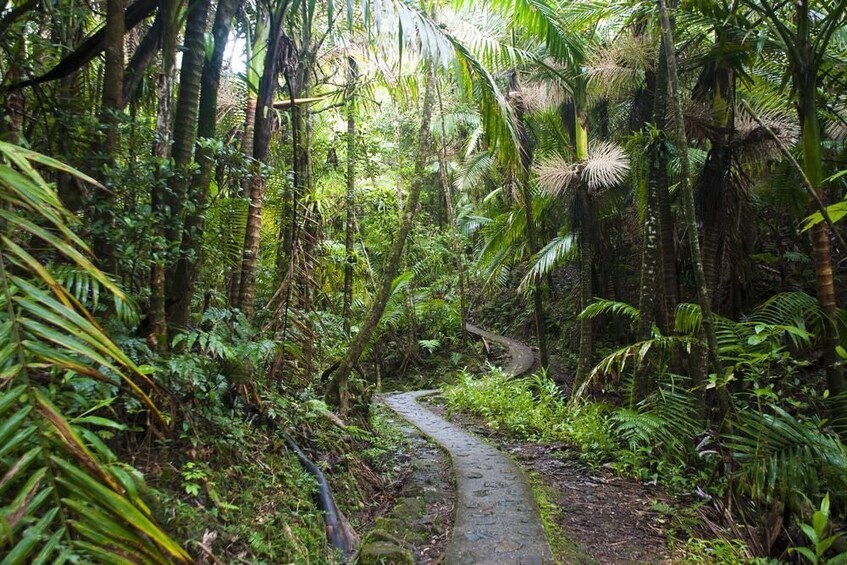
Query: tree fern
[[63, 494]]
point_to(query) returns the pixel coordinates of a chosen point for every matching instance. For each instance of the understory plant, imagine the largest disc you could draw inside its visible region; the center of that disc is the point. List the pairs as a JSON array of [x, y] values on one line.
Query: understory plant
[[532, 408], [65, 389], [775, 450]]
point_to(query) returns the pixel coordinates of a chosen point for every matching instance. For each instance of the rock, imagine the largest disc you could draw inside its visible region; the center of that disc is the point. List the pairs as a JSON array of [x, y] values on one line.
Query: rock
[[381, 548]]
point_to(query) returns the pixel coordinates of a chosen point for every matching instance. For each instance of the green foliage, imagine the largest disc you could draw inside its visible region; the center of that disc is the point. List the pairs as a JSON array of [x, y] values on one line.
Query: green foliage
[[532, 408], [786, 458], [65, 495], [820, 541]]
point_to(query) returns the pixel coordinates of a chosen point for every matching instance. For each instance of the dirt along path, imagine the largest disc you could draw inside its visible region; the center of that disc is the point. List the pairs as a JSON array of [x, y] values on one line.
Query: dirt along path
[[497, 520]]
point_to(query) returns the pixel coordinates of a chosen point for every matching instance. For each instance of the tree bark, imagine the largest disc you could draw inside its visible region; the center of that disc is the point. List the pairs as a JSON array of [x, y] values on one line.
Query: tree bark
[[395, 254], [690, 215], [191, 248], [350, 196]]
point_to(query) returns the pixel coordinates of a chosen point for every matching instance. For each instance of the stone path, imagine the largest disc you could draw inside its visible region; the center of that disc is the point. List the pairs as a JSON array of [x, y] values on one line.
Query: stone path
[[522, 357], [497, 520]]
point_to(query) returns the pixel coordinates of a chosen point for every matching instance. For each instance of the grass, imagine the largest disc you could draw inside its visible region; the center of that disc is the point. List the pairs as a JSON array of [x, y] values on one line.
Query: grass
[[564, 549]]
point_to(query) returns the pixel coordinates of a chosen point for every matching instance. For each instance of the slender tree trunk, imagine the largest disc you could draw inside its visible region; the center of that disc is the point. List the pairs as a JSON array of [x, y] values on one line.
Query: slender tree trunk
[[279, 51], [392, 261], [185, 135], [185, 274], [586, 245], [451, 214], [255, 63], [350, 196], [805, 83], [107, 149], [157, 335], [690, 216], [670, 284], [524, 164], [586, 295]]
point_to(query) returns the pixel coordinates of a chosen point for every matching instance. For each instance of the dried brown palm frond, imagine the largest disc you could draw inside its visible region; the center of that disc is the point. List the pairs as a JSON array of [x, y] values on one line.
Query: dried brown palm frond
[[540, 96], [606, 165], [616, 69], [699, 122], [556, 174], [755, 142], [836, 127]]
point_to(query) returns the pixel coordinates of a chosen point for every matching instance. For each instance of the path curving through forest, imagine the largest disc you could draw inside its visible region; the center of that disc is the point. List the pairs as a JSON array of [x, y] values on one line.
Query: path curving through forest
[[522, 358], [497, 519]]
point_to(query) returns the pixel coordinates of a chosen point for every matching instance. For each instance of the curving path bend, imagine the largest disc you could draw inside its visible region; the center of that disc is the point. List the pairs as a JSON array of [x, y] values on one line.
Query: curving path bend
[[522, 357], [497, 520]]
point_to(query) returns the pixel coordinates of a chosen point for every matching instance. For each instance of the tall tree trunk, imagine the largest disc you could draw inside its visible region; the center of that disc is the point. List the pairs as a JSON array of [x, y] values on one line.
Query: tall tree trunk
[[255, 63], [107, 149], [279, 51], [350, 196], [659, 173], [586, 295], [185, 133], [395, 255], [185, 273], [805, 84], [650, 249], [586, 243], [157, 335], [524, 164], [690, 214], [451, 214]]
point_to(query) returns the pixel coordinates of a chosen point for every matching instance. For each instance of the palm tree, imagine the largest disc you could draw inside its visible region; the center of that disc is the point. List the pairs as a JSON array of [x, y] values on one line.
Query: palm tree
[[603, 166], [802, 33]]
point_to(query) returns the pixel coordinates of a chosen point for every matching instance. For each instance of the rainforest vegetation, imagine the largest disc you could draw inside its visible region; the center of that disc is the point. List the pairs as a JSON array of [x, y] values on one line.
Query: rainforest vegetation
[[227, 225]]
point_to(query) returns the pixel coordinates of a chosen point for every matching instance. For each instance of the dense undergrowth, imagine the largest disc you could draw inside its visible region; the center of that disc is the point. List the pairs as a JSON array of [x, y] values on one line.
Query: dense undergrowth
[[791, 462]]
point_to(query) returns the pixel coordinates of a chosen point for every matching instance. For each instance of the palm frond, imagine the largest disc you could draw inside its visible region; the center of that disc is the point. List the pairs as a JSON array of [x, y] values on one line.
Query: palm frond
[[782, 456], [602, 307], [606, 166], [559, 250], [555, 174], [58, 500]]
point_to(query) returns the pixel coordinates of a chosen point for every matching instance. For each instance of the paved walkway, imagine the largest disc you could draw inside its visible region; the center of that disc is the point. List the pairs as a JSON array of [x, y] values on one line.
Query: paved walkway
[[522, 357], [497, 520]]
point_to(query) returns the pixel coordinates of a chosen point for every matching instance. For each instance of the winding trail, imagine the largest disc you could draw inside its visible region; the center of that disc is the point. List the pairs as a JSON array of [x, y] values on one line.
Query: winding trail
[[497, 520], [522, 357]]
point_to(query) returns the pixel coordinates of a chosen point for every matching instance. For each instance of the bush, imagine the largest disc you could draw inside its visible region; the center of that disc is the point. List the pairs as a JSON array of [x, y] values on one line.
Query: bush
[[532, 409]]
